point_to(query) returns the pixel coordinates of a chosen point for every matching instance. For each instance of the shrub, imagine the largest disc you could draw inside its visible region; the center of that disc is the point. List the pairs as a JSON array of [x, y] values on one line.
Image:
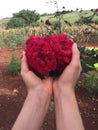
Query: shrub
[[14, 66], [88, 58], [23, 18], [96, 21], [16, 22], [92, 82]]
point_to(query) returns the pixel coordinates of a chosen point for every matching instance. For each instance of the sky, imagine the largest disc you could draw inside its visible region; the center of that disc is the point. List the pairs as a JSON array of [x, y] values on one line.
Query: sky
[[8, 7]]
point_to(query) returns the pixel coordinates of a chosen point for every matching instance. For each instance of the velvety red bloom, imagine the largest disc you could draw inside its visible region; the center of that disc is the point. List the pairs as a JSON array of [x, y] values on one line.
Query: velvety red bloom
[[48, 54], [62, 47], [40, 56]]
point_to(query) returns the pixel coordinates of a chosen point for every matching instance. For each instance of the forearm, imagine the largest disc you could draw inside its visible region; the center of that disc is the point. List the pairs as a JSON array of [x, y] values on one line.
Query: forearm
[[33, 112], [67, 112]]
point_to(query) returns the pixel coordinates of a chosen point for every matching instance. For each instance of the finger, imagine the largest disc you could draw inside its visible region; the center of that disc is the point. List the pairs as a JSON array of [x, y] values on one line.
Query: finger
[[75, 54], [24, 65], [49, 79], [28, 76]]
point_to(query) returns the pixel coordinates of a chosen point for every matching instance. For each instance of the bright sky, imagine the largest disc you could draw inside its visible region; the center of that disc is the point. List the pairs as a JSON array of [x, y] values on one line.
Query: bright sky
[[8, 7]]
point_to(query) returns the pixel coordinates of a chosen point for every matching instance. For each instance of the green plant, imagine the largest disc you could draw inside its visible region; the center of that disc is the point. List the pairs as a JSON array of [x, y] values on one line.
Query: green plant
[[14, 66], [96, 66], [85, 18], [23, 18], [16, 39], [88, 58], [2, 43], [92, 82]]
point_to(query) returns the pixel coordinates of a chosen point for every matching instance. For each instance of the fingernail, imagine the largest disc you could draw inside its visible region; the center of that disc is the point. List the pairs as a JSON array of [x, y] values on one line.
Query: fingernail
[[23, 53], [75, 45]]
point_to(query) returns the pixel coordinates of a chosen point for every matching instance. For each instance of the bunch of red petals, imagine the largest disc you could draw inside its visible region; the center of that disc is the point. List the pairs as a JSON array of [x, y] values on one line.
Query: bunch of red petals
[[48, 55]]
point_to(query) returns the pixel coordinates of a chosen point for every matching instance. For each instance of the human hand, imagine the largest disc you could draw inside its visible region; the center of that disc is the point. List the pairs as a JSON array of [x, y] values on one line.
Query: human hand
[[37, 101], [66, 106], [70, 75], [32, 81]]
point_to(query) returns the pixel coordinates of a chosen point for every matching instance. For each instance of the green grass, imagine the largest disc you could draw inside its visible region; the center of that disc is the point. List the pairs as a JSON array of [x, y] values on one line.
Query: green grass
[[71, 17]]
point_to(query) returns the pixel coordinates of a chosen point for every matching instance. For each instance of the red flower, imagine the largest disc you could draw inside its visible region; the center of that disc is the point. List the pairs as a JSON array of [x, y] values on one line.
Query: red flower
[[87, 31], [62, 49], [48, 54], [40, 56], [47, 22], [96, 10]]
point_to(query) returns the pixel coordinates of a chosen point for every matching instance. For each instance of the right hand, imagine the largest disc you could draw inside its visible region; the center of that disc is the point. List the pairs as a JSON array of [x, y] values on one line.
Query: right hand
[[71, 73]]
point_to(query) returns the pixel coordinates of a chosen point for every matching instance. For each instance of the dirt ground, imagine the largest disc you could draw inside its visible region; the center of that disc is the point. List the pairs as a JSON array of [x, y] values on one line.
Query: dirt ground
[[13, 94]]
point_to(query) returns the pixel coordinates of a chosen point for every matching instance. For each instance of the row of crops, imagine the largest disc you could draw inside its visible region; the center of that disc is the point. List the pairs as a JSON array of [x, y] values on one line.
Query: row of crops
[[83, 33]]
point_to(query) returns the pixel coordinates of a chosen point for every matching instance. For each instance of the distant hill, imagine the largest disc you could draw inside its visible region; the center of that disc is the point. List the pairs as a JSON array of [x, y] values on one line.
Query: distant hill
[[4, 20]]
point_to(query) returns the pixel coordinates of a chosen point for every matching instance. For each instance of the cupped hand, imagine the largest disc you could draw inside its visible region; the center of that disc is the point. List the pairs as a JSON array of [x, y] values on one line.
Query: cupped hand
[[32, 81], [71, 73], [67, 79]]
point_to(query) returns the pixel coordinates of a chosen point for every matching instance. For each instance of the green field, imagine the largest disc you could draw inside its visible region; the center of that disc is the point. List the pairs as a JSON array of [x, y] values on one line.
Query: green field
[[76, 32], [71, 17]]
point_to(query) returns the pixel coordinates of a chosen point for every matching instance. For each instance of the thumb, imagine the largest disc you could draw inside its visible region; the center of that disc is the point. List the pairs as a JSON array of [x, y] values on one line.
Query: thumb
[[24, 65], [75, 54]]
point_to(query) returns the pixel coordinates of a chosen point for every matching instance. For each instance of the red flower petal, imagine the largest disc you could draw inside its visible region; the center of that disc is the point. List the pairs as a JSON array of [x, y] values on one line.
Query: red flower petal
[[50, 53]]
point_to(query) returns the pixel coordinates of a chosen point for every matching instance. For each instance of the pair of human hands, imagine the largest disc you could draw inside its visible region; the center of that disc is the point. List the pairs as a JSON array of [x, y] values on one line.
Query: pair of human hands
[[67, 79]]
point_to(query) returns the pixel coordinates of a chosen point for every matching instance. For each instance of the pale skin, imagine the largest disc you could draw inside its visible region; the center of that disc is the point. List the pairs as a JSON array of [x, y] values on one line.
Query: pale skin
[[67, 111], [39, 93]]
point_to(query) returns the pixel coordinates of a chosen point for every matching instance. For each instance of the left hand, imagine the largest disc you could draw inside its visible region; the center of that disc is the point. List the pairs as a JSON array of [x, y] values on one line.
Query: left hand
[[32, 81]]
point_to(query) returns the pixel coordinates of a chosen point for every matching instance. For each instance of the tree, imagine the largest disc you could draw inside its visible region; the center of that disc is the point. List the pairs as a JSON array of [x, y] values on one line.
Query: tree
[[77, 9], [23, 18], [16, 22]]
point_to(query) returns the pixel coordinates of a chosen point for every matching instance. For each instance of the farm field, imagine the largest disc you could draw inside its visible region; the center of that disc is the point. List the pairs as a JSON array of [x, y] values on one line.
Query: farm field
[[71, 17], [12, 88]]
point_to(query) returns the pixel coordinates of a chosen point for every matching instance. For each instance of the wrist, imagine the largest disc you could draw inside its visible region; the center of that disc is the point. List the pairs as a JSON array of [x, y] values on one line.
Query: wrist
[[66, 92], [39, 92]]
